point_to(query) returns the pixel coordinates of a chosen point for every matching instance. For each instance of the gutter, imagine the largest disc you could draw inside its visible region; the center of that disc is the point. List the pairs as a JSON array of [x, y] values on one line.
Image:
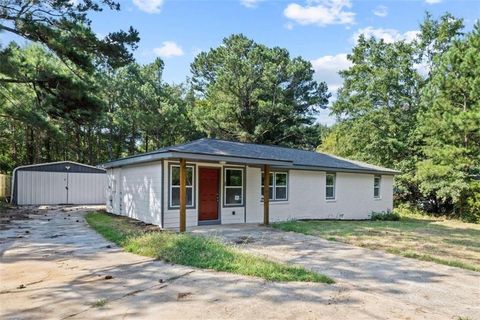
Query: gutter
[[194, 156], [336, 169]]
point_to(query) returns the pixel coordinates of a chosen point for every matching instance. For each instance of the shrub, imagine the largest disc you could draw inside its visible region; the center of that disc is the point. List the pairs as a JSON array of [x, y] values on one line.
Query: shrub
[[385, 216]]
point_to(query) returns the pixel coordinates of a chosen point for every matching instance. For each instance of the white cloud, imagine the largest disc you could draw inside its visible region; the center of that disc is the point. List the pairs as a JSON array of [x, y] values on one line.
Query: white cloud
[[249, 3], [149, 6], [325, 118], [321, 12], [388, 35], [381, 11], [169, 49], [433, 1], [327, 68]]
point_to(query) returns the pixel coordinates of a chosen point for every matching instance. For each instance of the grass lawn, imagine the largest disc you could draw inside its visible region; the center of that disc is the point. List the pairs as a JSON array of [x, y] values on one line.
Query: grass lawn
[[448, 242], [195, 251]]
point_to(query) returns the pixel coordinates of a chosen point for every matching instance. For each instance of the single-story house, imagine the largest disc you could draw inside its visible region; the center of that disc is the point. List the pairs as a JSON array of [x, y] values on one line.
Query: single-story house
[[210, 181]]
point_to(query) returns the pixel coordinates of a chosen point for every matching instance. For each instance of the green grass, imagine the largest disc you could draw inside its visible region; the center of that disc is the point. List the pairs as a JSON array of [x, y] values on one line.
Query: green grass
[[449, 242], [195, 251]]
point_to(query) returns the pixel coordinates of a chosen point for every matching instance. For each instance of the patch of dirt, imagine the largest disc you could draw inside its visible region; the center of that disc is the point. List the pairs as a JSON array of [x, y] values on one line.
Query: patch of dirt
[[183, 295], [244, 240], [11, 213]]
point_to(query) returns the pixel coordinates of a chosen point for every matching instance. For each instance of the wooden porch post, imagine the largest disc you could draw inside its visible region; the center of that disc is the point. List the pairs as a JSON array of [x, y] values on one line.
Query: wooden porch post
[[183, 194], [266, 196]]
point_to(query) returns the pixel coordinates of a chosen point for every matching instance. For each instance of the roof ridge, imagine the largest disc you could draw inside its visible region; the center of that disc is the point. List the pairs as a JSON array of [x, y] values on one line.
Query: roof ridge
[[357, 162], [260, 144]]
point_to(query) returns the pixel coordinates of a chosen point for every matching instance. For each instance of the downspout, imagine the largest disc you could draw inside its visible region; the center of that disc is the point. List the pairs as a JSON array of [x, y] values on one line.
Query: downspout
[[162, 204], [245, 195]]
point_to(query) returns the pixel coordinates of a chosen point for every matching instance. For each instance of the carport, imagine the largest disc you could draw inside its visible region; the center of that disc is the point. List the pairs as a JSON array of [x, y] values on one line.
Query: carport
[[63, 182]]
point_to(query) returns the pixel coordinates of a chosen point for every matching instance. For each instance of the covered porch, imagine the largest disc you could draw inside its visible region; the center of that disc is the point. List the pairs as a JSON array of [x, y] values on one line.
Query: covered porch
[[209, 188]]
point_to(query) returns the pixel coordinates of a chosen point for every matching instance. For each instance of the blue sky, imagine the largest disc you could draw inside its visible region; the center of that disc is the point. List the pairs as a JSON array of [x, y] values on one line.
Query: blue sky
[[322, 31]]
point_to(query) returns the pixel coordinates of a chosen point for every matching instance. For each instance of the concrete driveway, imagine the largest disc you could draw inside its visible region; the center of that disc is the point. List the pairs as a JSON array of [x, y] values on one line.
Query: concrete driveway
[[53, 266], [418, 288]]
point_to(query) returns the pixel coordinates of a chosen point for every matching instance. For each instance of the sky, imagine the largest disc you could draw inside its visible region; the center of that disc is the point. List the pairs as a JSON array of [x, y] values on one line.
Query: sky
[[321, 31]]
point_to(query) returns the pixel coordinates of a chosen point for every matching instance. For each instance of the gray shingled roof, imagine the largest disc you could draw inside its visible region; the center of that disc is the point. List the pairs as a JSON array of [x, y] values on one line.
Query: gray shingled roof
[[291, 157]]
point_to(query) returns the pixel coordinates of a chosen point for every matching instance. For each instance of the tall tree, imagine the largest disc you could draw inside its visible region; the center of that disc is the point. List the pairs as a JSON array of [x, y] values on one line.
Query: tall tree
[[376, 108], [145, 113], [249, 92], [450, 125], [64, 28], [61, 26], [379, 102]]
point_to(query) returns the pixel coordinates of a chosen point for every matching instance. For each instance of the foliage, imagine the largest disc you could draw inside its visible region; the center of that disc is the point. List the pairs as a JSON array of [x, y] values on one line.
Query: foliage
[[414, 106], [143, 112], [385, 216], [52, 103], [248, 92], [89, 119], [450, 125], [195, 251], [439, 240], [64, 28]]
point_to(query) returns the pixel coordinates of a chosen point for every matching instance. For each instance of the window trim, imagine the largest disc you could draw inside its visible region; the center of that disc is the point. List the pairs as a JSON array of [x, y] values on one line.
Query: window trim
[[334, 197], [379, 187], [224, 188], [274, 186], [169, 187]]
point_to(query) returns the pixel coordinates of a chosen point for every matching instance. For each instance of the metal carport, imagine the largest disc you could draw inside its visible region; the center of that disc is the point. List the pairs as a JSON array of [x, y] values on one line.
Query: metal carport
[[63, 182]]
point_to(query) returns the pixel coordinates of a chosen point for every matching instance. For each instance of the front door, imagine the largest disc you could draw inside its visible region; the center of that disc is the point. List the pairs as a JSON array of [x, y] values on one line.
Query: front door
[[209, 179]]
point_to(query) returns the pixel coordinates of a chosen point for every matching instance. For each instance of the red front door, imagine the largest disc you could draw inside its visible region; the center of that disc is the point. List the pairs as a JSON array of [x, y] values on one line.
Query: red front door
[[209, 184]]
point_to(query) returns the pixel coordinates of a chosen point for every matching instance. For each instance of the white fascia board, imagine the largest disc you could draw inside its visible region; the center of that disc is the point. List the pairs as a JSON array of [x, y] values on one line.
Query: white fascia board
[[193, 157], [331, 169]]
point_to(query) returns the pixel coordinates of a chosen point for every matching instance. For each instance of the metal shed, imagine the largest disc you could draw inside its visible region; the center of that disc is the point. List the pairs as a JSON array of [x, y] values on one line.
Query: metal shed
[[63, 182]]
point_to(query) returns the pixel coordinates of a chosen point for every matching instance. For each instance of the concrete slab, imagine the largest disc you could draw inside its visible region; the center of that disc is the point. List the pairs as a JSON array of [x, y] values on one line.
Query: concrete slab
[[53, 266], [428, 287]]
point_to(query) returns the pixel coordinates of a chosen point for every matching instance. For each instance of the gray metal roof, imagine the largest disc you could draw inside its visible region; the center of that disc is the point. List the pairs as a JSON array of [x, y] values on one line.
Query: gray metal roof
[[61, 166], [275, 155]]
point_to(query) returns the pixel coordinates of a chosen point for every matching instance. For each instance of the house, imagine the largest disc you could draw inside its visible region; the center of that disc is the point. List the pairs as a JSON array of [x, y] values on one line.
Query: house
[[211, 181]]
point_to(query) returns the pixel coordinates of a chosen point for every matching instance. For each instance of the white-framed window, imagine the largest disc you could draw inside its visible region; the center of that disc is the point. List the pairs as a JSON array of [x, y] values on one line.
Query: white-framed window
[[278, 186], [377, 180], [174, 185], [233, 187], [330, 186]]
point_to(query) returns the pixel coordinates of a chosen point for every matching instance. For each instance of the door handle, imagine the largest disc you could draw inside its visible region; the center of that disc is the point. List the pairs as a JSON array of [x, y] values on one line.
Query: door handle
[[217, 197]]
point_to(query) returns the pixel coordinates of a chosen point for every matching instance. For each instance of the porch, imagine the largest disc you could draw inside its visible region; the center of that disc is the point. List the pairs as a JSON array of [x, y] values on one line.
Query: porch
[[210, 186]]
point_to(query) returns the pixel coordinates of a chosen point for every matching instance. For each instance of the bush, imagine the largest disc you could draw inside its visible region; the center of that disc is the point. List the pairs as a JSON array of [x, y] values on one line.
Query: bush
[[385, 216], [471, 212]]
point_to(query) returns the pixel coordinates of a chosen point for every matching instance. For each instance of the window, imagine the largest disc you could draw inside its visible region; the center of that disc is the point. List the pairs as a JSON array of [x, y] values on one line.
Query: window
[[175, 186], [278, 186], [233, 192], [330, 186], [376, 186]]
